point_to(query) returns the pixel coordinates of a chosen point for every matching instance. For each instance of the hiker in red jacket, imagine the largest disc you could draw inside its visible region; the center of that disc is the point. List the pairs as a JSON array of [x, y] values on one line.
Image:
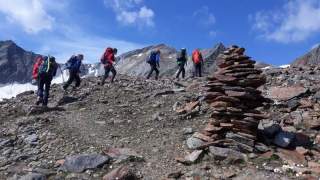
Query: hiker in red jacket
[[108, 60], [197, 62], [35, 69]]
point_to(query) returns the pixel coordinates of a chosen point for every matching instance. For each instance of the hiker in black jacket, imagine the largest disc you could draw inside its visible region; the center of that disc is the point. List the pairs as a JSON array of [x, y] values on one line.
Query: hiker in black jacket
[[182, 59], [47, 71]]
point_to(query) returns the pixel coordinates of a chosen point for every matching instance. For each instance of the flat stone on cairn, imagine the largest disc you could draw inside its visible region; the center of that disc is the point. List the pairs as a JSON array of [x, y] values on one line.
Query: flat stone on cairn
[[233, 97]]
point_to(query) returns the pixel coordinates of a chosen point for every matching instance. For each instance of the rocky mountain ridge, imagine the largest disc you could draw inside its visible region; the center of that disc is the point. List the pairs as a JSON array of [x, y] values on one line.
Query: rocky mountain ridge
[[15, 63], [311, 58]]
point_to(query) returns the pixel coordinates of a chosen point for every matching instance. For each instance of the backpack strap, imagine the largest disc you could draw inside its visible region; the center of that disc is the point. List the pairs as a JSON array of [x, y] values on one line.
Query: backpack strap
[[48, 66]]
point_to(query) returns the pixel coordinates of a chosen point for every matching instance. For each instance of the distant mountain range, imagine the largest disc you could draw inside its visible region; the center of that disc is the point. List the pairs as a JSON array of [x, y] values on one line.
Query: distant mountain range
[[16, 63]]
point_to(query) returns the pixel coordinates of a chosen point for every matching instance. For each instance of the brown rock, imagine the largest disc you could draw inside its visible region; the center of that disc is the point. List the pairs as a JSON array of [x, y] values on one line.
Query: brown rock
[[212, 129], [292, 157], [202, 137], [218, 104], [286, 93], [302, 150], [227, 99], [190, 106]]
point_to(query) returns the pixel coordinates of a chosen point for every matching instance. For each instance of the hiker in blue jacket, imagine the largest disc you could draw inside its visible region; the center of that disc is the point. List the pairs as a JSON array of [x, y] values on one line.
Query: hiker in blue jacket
[[73, 65], [154, 61]]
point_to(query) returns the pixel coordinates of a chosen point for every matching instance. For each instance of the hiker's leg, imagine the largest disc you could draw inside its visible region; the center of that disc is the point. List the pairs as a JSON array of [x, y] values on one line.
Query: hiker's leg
[[106, 74], [200, 70], [150, 72], [40, 90], [180, 69], [114, 73], [157, 72], [70, 80], [78, 80], [46, 91], [183, 72], [195, 70]]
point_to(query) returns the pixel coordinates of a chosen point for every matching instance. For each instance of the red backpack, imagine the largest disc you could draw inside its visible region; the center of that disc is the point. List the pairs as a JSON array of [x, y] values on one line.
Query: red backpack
[[35, 70], [196, 57], [107, 56]]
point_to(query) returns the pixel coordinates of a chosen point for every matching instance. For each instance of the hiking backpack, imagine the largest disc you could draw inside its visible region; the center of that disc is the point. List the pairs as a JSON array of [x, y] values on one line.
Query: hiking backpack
[[152, 58], [196, 57], [47, 66], [35, 69], [71, 62], [107, 56], [182, 56]]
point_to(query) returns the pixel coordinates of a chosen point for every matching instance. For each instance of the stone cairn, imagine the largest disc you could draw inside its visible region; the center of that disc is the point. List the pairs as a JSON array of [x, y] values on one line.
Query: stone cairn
[[234, 99]]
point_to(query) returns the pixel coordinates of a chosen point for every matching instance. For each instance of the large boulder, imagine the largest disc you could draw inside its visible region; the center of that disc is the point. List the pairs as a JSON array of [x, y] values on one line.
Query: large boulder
[[80, 163]]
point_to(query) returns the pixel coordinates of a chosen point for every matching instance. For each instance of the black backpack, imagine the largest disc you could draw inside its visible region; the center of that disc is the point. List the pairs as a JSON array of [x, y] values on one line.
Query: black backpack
[[48, 66]]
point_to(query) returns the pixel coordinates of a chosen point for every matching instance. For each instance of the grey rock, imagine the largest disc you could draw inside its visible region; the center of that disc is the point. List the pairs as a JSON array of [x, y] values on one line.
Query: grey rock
[[33, 176], [31, 139], [123, 154], [284, 139], [261, 147], [226, 153], [194, 143], [293, 103], [192, 157], [187, 131], [6, 143], [79, 163], [240, 139]]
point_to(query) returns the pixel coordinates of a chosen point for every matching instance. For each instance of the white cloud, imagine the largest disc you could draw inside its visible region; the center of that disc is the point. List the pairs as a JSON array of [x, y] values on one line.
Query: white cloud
[[30, 14], [64, 38], [132, 12], [204, 16], [76, 42], [295, 22]]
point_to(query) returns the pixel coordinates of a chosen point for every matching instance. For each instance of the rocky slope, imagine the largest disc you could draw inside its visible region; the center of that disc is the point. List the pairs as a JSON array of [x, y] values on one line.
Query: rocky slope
[[140, 127], [15, 63], [311, 58]]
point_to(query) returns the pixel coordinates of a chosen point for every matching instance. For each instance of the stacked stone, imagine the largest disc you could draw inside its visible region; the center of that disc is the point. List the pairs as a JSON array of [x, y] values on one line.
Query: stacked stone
[[233, 96]]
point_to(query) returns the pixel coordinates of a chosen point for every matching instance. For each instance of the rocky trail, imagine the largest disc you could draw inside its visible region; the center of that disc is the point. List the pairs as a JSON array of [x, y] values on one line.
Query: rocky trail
[[143, 129]]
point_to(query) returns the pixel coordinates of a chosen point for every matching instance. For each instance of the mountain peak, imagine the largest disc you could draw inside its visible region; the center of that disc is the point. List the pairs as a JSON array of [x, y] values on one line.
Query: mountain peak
[[7, 43], [309, 59]]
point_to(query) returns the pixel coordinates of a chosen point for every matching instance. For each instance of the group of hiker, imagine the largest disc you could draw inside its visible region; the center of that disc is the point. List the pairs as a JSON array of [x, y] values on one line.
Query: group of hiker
[[45, 68]]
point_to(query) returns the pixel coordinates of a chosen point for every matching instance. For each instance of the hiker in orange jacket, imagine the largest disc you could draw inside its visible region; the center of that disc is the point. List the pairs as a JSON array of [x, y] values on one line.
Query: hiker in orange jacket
[[197, 62]]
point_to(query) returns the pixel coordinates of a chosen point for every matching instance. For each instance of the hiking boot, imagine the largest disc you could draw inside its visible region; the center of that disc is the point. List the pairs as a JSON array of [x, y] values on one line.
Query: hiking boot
[[39, 101]]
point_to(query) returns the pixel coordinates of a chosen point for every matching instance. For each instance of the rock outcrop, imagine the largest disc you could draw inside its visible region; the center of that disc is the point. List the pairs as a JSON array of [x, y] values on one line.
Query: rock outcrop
[[15, 63], [311, 58]]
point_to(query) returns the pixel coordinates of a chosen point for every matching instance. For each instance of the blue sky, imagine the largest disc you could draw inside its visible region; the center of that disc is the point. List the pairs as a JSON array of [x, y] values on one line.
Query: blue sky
[[273, 31]]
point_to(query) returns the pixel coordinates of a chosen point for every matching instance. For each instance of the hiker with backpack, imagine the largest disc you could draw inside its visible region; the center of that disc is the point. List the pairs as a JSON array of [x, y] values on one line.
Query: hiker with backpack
[[47, 70], [107, 60], [154, 61], [35, 70], [182, 59], [197, 62], [73, 65]]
